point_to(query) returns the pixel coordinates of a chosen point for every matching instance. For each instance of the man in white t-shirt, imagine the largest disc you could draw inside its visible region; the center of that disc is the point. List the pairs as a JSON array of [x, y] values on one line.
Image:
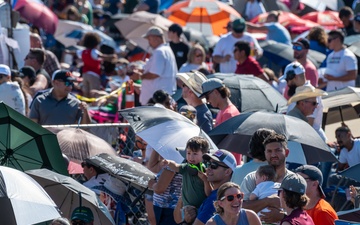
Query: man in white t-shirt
[[341, 64], [160, 71], [224, 49]]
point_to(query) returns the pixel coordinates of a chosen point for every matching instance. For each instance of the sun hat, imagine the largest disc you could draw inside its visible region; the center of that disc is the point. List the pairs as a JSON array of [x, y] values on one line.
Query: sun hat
[[305, 92], [314, 174], [193, 80], [210, 85]]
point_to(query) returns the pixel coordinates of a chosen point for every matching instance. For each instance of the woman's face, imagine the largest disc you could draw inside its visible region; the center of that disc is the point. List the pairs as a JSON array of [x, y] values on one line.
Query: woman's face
[[198, 57], [235, 204]]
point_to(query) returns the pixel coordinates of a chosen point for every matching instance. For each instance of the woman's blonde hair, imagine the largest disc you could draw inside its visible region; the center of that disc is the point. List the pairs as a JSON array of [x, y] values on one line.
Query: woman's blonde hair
[[191, 54]]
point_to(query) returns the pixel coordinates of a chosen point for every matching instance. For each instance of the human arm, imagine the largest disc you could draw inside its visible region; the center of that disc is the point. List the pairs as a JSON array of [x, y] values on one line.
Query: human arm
[[171, 164], [154, 162], [40, 83], [207, 186], [343, 163], [257, 27], [221, 59], [350, 75], [258, 205], [252, 197], [341, 166], [149, 76], [210, 222], [177, 211], [252, 217], [273, 216], [163, 182]]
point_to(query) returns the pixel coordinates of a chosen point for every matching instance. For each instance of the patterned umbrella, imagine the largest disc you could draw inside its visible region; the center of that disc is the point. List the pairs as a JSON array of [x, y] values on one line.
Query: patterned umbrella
[[208, 16]]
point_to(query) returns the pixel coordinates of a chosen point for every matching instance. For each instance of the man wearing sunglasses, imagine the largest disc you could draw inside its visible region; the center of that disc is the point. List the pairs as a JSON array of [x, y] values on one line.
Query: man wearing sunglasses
[[57, 105], [82, 216], [220, 167]]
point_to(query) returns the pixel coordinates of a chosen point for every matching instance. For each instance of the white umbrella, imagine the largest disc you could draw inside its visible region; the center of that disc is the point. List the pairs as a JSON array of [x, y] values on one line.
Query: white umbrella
[[320, 5], [136, 25], [22, 200]]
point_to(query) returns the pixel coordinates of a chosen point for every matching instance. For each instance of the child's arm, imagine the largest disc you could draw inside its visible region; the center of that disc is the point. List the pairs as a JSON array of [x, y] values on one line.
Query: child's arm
[[171, 164], [253, 196], [207, 186]]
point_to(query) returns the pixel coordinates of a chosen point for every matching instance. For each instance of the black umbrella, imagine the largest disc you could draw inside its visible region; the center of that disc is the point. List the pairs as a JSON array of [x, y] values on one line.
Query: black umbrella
[[352, 172], [25, 145], [249, 93], [124, 169], [305, 145]]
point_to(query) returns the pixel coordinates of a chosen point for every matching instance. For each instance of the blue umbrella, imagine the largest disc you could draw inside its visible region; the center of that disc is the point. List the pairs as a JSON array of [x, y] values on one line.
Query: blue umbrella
[[352, 172]]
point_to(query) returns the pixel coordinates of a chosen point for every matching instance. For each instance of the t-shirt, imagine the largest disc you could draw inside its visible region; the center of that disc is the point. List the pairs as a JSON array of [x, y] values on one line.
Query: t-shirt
[[323, 213], [180, 51], [298, 216], [207, 209], [249, 66], [265, 189], [351, 157], [187, 67], [12, 96], [227, 113], [278, 32], [241, 171]]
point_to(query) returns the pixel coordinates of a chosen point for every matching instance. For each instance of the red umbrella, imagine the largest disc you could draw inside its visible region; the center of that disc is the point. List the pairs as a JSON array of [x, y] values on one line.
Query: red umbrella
[[327, 18], [288, 20], [38, 14]]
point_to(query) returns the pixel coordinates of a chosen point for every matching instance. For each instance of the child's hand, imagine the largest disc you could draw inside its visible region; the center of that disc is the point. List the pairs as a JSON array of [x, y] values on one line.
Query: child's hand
[[202, 176]]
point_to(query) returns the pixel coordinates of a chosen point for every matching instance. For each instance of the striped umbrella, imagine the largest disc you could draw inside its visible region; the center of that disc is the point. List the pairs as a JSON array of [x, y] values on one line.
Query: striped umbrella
[[208, 16]]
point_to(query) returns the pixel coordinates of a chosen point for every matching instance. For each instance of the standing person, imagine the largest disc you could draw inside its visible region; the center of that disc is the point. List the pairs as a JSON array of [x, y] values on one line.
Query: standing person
[[179, 48], [218, 95], [341, 65], [11, 93], [229, 209], [253, 8], [275, 30], [195, 59], [57, 106], [160, 71], [293, 200], [223, 51], [191, 90], [318, 208], [346, 15], [82, 216]]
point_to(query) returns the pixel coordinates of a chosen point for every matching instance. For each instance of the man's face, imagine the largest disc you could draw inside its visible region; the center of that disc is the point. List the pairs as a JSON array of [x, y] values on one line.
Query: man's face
[[185, 92], [309, 106], [211, 97], [333, 41], [216, 175], [64, 87], [342, 138], [153, 41], [275, 154], [299, 51], [29, 60], [309, 182]]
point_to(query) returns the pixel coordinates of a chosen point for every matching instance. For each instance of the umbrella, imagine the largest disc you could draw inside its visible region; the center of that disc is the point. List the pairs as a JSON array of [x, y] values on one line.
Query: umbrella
[[78, 144], [352, 172], [124, 169], [69, 33], [195, 36], [22, 200], [351, 216], [163, 129], [326, 18], [69, 194], [320, 5], [25, 145], [305, 144], [38, 14], [137, 24], [355, 47], [250, 93], [210, 17]]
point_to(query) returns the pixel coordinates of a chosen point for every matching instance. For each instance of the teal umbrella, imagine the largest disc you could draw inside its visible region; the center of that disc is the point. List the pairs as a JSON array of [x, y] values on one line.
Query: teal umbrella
[[25, 145]]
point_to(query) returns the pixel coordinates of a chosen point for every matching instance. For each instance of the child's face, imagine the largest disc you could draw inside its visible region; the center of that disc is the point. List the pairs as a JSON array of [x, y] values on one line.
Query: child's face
[[260, 178], [193, 157]]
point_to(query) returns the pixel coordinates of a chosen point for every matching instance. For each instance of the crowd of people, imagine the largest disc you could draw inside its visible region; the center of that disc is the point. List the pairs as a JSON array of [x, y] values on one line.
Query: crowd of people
[[220, 187]]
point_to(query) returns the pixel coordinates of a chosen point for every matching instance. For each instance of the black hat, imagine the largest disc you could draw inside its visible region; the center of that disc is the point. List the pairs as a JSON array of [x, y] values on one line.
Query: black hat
[[27, 71], [64, 75]]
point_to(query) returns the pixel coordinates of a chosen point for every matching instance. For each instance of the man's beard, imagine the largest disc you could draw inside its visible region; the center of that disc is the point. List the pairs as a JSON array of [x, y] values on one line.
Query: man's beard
[[291, 90]]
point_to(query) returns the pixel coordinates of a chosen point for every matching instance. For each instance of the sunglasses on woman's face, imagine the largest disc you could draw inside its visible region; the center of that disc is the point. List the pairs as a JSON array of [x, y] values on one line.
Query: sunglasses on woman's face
[[214, 165], [231, 198]]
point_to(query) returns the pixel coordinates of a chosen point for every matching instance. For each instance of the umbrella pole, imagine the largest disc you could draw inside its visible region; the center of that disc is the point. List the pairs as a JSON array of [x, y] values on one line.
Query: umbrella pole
[[341, 115]]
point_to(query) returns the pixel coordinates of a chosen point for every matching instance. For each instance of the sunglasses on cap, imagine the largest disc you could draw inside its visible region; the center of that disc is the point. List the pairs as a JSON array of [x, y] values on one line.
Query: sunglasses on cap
[[231, 198], [297, 47], [214, 165]]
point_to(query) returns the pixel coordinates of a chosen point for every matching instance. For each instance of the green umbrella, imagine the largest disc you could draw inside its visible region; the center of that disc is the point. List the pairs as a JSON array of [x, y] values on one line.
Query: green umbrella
[[25, 145]]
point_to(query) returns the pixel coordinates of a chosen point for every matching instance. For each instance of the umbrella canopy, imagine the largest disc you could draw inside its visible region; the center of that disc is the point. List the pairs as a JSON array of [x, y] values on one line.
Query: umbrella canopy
[[66, 192], [195, 36], [137, 24], [306, 146], [69, 33], [250, 93], [124, 169], [38, 14], [26, 145], [348, 217], [210, 17], [78, 144], [22, 200], [163, 129], [352, 172], [320, 5], [326, 18]]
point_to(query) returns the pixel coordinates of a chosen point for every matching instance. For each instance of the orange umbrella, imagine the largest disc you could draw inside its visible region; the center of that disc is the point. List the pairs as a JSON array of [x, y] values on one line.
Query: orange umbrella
[[208, 16], [288, 20], [327, 18]]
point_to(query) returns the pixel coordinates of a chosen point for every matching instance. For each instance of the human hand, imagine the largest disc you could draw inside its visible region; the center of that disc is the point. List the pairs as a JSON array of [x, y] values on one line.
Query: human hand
[[329, 77], [151, 183], [272, 216], [202, 176], [227, 58], [190, 213], [353, 191], [83, 106]]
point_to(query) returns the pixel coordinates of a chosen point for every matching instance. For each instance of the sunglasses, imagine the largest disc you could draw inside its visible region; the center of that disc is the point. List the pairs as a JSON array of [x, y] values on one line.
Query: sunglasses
[[68, 83], [231, 198], [208, 94], [297, 47], [312, 103], [214, 165], [199, 55], [331, 39]]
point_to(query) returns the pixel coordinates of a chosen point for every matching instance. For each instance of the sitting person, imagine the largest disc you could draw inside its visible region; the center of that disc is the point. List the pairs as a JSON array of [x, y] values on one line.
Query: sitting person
[[82, 215]]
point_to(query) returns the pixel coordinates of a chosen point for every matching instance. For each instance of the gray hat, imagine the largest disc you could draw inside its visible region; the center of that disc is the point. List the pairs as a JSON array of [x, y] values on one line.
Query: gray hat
[[155, 31], [223, 156], [295, 183], [210, 85], [314, 174]]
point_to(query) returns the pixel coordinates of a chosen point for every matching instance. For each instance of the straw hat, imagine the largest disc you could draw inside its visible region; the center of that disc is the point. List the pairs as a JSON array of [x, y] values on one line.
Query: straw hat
[[305, 92], [193, 80]]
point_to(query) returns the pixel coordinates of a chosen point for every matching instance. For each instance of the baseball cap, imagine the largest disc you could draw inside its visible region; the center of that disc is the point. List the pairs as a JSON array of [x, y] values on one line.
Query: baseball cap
[[304, 42], [5, 70], [154, 30], [314, 174], [292, 69], [223, 156], [83, 213], [28, 71], [193, 80], [239, 25], [64, 75], [295, 183], [210, 85], [15, 73]]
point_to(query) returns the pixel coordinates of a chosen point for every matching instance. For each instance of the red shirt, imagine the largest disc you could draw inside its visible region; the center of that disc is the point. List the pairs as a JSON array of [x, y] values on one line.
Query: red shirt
[[90, 64], [249, 66]]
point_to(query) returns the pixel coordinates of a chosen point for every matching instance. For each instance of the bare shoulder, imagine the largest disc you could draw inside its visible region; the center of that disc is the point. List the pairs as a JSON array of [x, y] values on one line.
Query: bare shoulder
[[252, 217], [210, 222]]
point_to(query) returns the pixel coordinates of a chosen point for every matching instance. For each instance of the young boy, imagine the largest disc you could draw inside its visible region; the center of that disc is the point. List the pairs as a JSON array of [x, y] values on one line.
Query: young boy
[[194, 189]]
